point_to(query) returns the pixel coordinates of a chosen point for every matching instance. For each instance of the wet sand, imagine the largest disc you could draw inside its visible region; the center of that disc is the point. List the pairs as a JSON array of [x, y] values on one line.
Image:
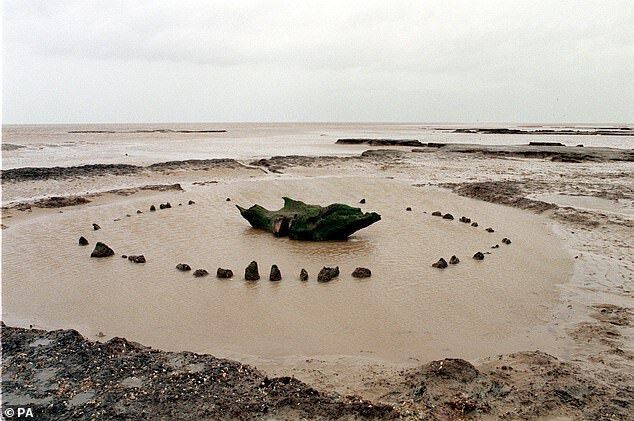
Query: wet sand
[[141, 382], [544, 291], [407, 311], [141, 144]]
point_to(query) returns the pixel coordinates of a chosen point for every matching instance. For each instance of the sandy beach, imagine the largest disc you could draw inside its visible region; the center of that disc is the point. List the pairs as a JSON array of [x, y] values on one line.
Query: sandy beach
[[317, 210], [559, 295]]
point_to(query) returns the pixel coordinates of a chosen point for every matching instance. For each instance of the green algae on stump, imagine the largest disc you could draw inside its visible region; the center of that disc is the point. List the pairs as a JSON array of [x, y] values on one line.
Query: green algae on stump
[[300, 221]]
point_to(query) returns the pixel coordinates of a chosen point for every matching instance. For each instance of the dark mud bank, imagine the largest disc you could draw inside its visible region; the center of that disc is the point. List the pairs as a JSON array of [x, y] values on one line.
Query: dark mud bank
[[554, 152], [144, 131], [61, 375], [93, 170], [276, 163], [612, 131], [65, 201]]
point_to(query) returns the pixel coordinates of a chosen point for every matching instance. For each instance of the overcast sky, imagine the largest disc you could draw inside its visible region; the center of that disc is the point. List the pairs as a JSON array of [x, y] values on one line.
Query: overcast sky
[[400, 61]]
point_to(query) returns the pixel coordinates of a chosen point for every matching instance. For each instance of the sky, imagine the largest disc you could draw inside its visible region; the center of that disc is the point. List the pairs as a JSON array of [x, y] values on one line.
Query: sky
[[332, 61]]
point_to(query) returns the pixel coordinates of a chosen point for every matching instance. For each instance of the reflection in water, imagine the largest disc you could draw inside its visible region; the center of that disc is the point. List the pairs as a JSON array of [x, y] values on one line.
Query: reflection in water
[[354, 246]]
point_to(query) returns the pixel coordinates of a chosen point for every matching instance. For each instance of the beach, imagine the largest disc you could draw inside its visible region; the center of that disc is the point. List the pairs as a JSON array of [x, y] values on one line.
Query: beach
[[558, 294]]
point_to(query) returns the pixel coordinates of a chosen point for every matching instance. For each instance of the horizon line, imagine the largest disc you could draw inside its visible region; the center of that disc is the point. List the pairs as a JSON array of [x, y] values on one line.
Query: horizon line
[[426, 123]]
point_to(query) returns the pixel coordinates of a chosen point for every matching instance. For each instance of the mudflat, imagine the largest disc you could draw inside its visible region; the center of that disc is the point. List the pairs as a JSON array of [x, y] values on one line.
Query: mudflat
[[546, 315], [407, 309]]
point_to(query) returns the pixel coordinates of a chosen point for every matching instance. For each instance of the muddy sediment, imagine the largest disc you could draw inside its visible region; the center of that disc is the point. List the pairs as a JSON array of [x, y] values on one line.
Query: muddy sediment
[[11, 147], [372, 156], [184, 234], [144, 131], [556, 153], [515, 194], [94, 170], [523, 385], [501, 192], [276, 163], [60, 374], [45, 173], [66, 376], [75, 200], [623, 131], [380, 142]]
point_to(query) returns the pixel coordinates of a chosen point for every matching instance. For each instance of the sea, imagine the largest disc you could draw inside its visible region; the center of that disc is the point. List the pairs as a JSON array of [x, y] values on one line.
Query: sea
[[50, 145]]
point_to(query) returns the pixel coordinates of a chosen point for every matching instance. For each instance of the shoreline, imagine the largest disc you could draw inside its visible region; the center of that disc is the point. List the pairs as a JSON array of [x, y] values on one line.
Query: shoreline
[[592, 314], [156, 383]]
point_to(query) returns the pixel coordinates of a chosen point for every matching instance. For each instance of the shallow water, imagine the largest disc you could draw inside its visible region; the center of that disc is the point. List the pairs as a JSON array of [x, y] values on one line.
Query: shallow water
[[53, 145], [592, 203], [406, 310]]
